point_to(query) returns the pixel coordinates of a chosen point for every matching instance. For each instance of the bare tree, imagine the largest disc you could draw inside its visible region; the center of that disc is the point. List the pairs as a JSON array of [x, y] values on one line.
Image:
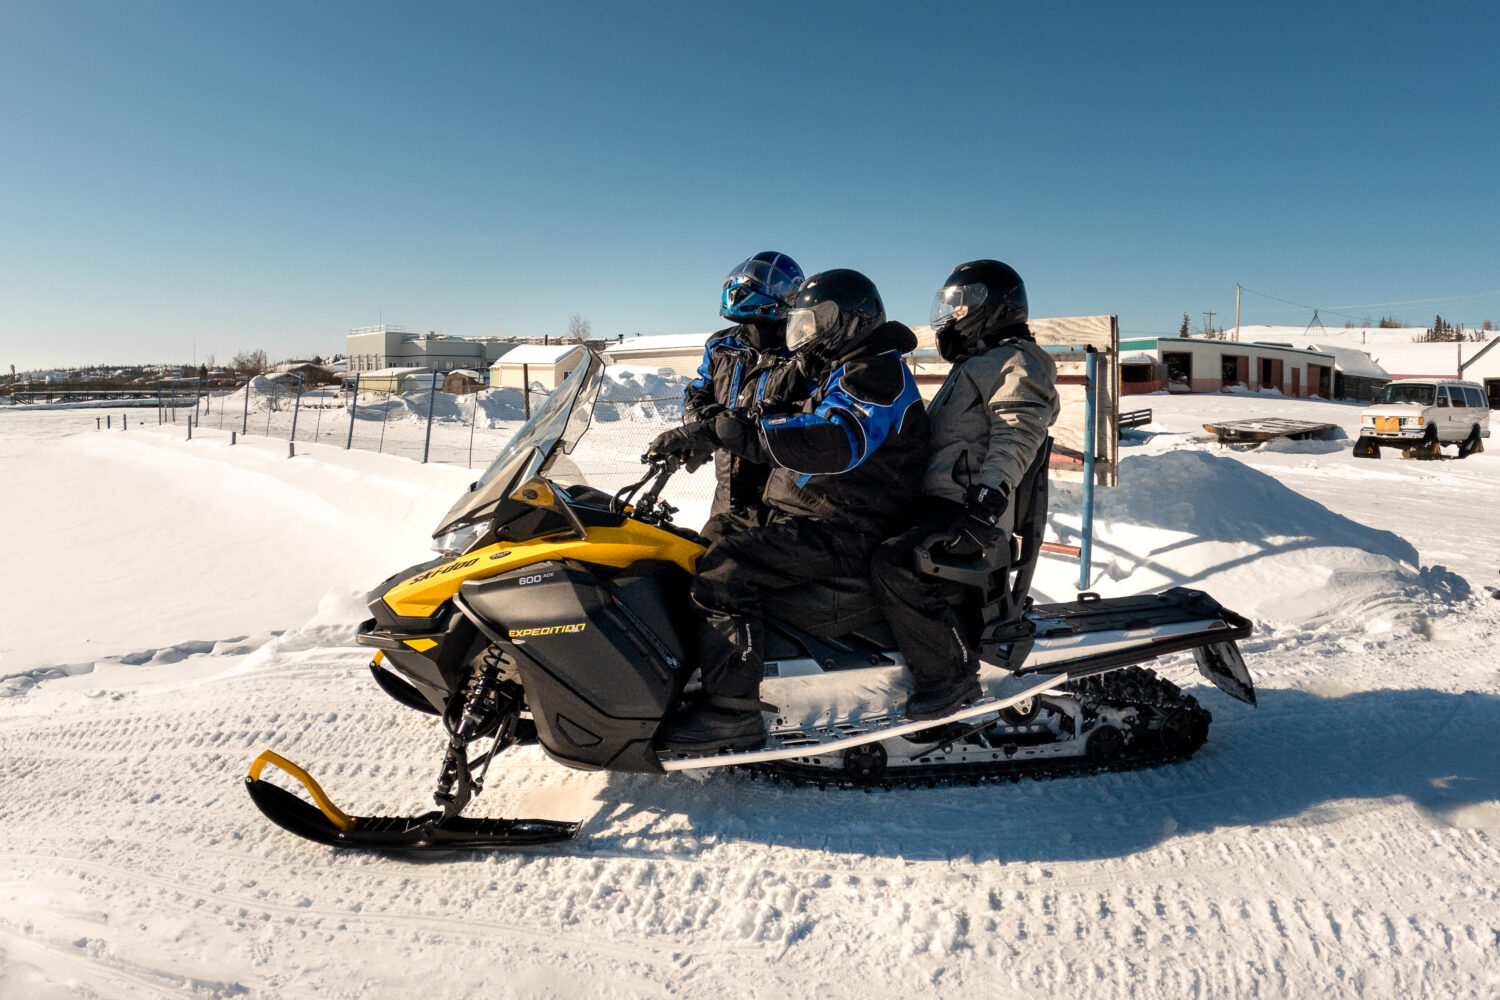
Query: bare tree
[[578, 329], [250, 362]]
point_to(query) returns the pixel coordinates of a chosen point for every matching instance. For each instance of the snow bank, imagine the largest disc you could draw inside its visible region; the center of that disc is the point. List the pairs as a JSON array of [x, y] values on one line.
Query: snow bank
[[1189, 518]]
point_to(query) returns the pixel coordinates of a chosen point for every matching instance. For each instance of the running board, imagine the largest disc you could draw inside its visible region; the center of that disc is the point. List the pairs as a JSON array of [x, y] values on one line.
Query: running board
[[811, 741]]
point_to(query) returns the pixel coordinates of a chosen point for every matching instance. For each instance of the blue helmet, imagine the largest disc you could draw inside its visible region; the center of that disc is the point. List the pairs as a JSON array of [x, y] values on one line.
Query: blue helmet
[[760, 288]]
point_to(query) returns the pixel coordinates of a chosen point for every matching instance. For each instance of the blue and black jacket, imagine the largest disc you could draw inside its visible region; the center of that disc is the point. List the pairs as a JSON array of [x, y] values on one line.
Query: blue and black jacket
[[853, 456], [738, 373]]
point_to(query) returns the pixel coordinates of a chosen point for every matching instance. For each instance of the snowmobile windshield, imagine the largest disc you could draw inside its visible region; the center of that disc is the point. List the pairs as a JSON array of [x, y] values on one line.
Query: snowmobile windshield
[[1395, 392], [553, 430], [556, 426]]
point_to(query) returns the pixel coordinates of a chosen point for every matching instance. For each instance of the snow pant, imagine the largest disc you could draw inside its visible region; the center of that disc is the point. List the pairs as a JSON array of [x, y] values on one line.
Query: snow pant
[[734, 520], [932, 635], [735, 574]]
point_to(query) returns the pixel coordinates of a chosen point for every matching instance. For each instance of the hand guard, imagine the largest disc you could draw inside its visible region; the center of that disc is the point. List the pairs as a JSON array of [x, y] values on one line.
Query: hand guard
[[976, 531], [692, 443]]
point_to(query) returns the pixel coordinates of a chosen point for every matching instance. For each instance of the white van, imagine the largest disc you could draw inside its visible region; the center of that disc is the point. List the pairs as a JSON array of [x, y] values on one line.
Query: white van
[[1420, 415]]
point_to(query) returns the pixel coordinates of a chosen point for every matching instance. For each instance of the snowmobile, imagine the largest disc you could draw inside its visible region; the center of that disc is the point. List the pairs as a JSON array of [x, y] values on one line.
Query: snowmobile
[[557, 614]]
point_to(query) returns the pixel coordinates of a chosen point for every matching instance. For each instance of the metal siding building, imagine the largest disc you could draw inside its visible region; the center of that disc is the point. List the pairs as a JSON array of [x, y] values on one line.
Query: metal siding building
[[1195, 365]]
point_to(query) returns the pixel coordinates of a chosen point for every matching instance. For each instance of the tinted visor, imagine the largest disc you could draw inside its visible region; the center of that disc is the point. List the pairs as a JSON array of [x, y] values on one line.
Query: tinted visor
[[803, 326], [954, 302], [764, 277]]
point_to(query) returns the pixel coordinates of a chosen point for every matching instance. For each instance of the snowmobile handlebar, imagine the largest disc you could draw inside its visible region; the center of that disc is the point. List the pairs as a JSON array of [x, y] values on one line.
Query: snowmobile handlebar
[[648, 505]]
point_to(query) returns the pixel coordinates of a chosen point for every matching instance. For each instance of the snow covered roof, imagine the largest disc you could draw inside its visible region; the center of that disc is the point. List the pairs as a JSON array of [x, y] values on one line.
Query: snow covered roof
[[660, 342], [1351, 361], [1138, 358], [466, 372], [536, 354]]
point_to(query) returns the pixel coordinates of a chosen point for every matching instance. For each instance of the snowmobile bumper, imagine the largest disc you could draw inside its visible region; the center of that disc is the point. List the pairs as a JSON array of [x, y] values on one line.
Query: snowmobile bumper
[[325, 823]]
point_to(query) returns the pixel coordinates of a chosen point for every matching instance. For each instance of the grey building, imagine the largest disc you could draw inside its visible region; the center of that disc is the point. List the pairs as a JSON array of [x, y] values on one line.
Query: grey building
[[374, 348]]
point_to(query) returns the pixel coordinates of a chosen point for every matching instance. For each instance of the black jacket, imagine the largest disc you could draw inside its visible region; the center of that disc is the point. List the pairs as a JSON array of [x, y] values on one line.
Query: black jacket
[[737, 374], [853, 454]]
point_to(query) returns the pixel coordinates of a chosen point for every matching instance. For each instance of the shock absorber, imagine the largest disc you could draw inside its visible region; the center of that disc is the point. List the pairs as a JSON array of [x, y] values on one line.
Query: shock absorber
[[486, 709]]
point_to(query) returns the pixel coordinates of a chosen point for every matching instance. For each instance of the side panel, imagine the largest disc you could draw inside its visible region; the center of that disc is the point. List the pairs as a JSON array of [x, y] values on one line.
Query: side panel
[[601, 661]]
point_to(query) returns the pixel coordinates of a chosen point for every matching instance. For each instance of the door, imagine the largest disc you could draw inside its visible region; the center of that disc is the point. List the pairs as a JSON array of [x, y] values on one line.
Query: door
[[1492, 389], [1296, 381]]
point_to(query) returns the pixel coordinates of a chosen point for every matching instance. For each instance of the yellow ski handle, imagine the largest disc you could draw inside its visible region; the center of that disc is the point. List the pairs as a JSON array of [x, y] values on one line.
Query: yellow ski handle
[[340, 819]]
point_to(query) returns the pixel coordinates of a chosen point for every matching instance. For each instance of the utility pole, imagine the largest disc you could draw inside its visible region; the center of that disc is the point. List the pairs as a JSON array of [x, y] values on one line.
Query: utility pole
[[1236, 312], [1209, 330]]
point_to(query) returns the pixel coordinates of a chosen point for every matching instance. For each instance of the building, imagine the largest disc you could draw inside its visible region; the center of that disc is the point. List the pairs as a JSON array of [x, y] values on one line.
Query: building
[[1194, 365], [372, 348], [529, 364], [1484, 368], [463, 381], [1355, 375], [682, 353], [395, 380]]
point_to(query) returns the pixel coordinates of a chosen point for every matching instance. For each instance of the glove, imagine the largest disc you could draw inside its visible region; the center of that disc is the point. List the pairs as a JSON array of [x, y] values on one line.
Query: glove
[[977, 529], [693, 443], [732, 430]]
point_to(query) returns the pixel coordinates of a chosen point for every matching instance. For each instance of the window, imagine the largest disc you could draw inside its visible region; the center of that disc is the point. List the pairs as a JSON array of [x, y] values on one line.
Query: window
[[1475, 397], [1407, 392]]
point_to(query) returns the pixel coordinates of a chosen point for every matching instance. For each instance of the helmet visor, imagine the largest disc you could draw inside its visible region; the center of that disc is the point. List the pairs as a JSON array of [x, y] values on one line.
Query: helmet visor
[[953, 302], [766, 277], [803, 326]]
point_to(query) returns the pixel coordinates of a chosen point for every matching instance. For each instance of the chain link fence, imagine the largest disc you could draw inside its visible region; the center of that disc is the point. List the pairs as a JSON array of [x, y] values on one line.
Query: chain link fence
[[429, 424]]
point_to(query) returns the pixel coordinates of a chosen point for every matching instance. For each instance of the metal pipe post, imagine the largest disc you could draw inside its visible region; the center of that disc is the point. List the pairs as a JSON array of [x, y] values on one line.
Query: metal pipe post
[[296, 409], [1090, 441], [353, 408], [431, 400]]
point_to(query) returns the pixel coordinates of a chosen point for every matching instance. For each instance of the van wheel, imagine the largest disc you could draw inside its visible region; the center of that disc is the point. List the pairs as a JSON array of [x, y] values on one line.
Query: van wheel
[[1471, 444]]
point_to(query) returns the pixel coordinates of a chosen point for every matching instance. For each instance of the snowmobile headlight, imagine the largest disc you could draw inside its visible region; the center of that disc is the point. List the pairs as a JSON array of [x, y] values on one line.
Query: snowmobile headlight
[[459, 540]]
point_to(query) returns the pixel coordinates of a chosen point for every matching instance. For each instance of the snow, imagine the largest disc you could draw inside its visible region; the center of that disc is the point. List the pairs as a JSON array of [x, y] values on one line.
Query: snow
[[172, 607]]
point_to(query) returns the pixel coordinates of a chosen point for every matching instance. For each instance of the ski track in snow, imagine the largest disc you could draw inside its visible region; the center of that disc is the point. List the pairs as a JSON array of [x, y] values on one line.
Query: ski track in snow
[[1337, 841]]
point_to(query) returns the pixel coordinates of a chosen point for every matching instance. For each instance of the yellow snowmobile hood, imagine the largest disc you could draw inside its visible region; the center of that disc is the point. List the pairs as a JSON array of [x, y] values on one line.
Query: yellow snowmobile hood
[[423, 594]]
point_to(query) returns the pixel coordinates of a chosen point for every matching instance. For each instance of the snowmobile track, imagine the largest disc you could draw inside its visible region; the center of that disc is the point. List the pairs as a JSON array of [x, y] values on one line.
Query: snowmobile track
[[1131, 686]]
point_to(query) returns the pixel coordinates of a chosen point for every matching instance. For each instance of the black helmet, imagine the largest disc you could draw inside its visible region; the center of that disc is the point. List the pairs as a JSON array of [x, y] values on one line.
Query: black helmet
[[979, 300], [834, 311]]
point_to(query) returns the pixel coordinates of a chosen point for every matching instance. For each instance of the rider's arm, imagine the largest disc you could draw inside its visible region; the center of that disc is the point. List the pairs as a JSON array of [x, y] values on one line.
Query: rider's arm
[[1023, 404], [698, 399], [847, 419]]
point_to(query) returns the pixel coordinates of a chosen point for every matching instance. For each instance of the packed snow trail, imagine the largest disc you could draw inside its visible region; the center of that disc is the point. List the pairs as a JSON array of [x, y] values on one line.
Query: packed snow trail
[[1337, 841]]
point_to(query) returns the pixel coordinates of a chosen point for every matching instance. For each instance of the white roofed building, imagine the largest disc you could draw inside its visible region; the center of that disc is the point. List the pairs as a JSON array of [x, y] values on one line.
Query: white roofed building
[[680, 352], [528, 364]]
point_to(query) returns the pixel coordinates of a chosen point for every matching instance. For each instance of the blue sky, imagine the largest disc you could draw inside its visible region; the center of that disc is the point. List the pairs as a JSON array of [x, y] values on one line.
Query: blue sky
[[204, 177]]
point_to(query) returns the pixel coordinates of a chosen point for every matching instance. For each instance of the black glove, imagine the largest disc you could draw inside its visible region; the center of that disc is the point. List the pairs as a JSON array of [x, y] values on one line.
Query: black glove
[[734, 431], [977, 529], [693, 443]]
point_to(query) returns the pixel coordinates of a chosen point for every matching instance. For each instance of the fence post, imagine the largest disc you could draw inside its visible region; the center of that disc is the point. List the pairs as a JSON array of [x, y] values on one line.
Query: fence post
[[124, 421], [353, 408], [526, 389], [473, 419], [291, 449], [245, 425], [1091, 435], [431, 402], [158, 403], [197, 394]]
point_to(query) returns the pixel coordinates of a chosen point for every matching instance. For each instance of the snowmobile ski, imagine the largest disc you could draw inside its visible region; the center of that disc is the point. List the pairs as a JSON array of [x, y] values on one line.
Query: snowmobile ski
[[327, 824]]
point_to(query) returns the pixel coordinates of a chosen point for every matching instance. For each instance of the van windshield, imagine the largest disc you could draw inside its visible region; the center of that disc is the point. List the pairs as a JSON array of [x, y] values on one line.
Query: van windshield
[[1398, 392]]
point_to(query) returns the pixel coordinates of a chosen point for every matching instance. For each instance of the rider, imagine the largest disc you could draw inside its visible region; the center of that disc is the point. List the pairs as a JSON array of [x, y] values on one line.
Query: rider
[[988, 421], [740, 365], [844, 467]]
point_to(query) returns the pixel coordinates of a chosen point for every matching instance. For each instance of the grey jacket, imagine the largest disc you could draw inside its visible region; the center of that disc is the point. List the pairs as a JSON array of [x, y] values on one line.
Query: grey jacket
[[989, 418]]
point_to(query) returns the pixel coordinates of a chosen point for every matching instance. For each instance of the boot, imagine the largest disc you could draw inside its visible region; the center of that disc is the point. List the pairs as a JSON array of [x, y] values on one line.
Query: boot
[[716, 724], [923, 706]]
